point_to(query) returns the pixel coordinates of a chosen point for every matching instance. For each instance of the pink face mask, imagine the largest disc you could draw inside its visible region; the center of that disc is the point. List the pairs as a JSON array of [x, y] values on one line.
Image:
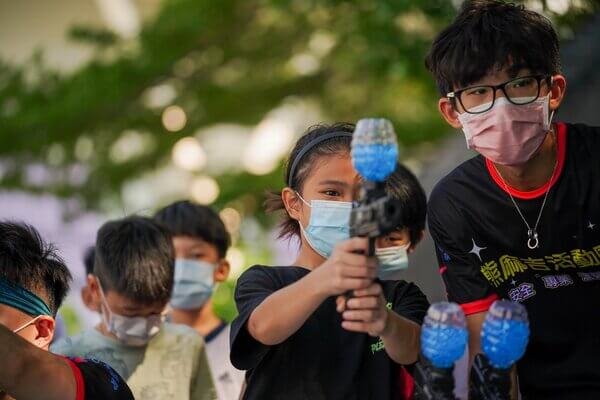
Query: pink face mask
[[507, 134]]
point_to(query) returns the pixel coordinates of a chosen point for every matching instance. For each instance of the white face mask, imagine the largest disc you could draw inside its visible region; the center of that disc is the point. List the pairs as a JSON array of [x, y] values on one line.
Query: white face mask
[[131, 331], [391, 260]]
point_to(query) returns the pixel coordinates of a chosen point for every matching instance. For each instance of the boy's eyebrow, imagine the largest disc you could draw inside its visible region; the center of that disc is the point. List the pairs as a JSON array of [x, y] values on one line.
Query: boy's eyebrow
[[198, 246], [513, 72]]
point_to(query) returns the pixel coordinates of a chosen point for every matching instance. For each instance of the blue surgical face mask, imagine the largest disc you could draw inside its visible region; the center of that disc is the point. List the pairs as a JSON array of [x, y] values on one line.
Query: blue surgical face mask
[[392, 260], [329, 224], [194, 283]]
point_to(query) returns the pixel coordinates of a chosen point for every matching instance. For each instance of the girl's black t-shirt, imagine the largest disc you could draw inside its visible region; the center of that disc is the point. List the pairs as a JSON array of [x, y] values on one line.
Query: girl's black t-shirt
[[483, 255], [321, 360]]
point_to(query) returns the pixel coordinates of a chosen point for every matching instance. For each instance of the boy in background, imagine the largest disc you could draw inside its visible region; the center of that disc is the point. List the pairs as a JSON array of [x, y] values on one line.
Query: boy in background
[[201, 242], [132, 283], [393, 249]]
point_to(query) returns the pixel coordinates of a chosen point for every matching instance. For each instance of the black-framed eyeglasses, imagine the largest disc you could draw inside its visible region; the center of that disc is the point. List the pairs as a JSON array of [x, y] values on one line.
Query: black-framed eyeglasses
[[519, 91]]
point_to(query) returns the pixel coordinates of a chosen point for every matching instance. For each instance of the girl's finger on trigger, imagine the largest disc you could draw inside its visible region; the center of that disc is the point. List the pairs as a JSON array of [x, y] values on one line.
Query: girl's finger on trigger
[[372, 290], [340, 304], [369, 302]]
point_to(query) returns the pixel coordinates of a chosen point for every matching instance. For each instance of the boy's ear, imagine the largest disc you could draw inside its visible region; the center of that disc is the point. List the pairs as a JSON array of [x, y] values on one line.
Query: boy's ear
[[291, 202], [449, 112], [94, 289], [413, 246], [88, 299], [558, 88], [45, 331], [222, 271]]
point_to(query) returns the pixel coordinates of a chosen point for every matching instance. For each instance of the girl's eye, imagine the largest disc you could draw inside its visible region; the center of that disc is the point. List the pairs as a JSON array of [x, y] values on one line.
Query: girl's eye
[[332, 193]]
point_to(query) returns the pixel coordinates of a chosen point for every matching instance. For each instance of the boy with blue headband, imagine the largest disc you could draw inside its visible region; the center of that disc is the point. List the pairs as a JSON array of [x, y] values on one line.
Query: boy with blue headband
[[33, 283]]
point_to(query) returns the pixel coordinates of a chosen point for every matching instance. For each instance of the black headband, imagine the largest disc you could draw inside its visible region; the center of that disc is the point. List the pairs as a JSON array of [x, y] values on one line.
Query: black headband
[[309, 146]]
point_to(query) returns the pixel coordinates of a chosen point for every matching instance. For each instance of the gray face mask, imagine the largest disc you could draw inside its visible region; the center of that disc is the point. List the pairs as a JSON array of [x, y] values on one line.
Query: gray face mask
[[131, 331], [391, 260]]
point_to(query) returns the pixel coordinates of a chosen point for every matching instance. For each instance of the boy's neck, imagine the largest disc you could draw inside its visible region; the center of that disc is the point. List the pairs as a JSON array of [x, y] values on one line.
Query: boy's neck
[[308, 258], [536, 172], [204, 319]]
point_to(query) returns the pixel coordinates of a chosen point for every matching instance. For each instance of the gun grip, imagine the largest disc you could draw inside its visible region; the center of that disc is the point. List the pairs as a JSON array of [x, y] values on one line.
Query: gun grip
[[370, 253], [487, 382]]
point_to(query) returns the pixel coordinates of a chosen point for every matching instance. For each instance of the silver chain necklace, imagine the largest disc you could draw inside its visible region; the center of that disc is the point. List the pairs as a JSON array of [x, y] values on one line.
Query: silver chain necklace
[[533, 241]]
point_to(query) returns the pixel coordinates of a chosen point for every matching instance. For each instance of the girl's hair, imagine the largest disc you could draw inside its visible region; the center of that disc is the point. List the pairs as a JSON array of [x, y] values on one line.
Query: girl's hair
[[304, 166]]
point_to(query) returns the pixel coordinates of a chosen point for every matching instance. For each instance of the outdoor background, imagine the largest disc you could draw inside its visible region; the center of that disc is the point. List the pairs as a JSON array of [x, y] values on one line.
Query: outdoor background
[[115, 107]]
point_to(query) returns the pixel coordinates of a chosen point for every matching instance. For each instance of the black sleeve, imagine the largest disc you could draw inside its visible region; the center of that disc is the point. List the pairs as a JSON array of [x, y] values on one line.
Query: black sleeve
[[409, 301], [98, 381], [458, 263], [582, 148], [255, 285]]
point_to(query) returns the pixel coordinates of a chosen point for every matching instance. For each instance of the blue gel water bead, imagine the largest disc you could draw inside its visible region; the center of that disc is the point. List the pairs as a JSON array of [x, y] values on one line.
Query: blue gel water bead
[[505, 333], [374, 148], [375, 162], [444, 334]]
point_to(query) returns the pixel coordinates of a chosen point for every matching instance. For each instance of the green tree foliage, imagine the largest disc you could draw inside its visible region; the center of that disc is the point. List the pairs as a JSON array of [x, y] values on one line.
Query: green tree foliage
[[230, 61]]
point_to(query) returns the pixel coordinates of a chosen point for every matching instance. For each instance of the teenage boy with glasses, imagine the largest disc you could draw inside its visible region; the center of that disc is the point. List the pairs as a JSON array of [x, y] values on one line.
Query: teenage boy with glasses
[[522, 219]]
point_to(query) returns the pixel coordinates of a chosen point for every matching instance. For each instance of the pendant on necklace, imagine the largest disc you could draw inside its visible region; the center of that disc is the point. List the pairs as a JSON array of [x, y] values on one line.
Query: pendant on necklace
[[533, 242]]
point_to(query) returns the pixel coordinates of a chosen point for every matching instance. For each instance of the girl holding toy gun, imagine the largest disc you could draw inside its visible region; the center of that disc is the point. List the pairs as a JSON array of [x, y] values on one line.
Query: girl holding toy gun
[[295, 334]]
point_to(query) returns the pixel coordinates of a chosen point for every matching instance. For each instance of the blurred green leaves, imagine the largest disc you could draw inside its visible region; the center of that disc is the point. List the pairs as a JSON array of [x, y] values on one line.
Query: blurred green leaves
[[229, 61]]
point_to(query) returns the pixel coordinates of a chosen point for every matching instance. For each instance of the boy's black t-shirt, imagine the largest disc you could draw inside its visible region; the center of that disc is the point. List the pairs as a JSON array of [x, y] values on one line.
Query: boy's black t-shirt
[[321, 360], [98, 381], [482, 250]]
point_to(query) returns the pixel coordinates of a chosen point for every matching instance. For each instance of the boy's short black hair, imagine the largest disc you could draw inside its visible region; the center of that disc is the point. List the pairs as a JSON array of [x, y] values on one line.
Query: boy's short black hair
[[489, 35], [28, 261], [88, 260], [135, 258], [404, 185], [184, 218]]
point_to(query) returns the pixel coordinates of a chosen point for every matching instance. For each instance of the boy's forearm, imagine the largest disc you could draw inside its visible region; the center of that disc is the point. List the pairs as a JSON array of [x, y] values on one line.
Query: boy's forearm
[[401, 339], [31, 373], [282, 313]]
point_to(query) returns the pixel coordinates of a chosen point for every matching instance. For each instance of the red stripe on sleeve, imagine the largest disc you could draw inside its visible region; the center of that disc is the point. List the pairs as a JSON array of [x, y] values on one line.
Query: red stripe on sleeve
[[407, 384], [78, 379], [478, 306]]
